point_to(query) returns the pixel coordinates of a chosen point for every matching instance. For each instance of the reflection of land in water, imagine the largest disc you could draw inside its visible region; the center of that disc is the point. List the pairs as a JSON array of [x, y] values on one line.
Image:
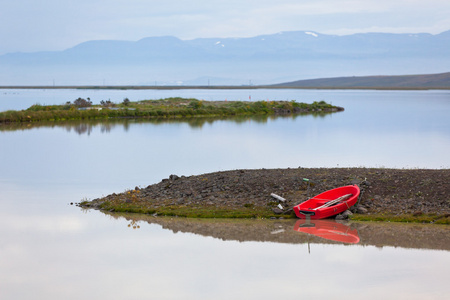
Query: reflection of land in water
[[418, 236], [106, 125]]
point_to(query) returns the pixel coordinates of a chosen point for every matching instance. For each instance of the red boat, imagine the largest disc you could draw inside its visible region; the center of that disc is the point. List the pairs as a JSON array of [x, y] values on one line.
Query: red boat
[[328, 229], [329, 203]]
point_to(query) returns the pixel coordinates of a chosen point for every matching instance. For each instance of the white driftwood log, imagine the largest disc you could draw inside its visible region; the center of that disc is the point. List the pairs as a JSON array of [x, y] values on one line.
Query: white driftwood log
[[278, 197]]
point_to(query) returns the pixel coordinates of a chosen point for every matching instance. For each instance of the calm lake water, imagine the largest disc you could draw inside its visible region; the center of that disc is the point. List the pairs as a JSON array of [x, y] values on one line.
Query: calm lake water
[[50, 249]]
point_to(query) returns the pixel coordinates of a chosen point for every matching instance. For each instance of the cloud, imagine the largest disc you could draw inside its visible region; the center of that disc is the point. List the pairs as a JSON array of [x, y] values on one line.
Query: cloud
[[42, 224]]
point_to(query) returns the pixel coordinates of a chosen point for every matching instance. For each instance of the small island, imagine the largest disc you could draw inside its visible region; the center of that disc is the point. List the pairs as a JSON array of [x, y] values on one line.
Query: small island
[[395, 195], [83, 109]]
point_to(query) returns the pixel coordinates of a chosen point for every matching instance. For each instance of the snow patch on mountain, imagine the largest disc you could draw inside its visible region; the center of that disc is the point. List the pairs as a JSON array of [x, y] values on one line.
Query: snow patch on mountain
[[312, 33]]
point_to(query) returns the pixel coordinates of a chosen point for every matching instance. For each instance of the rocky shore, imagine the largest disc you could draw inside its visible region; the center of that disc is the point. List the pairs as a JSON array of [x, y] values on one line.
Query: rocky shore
[[386, 194]]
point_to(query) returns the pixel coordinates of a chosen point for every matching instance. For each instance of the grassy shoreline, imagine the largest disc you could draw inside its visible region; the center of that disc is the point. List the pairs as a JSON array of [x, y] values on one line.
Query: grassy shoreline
[[214, 212], [83, 109]]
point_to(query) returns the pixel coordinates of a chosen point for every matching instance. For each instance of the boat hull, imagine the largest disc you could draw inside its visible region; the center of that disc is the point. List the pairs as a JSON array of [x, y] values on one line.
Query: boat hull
[[312, 208]]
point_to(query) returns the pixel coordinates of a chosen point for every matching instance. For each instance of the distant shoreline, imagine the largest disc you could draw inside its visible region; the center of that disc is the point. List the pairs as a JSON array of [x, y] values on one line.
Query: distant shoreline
[[203, 87]]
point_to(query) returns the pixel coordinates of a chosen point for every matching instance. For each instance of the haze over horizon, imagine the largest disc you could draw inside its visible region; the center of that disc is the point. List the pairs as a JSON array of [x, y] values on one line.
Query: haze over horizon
[[52, 25]]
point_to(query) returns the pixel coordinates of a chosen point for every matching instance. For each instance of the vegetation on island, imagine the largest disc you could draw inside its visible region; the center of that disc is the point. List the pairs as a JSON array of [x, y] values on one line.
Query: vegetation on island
[[130, 202], [83, 109], [191, 211]]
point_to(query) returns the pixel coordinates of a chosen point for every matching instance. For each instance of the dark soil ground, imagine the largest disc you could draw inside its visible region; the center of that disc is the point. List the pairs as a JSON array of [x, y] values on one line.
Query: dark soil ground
[[386, 194]]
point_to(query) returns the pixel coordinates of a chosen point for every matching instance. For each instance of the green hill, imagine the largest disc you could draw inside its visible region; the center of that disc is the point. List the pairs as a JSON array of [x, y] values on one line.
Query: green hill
[[426, 81]]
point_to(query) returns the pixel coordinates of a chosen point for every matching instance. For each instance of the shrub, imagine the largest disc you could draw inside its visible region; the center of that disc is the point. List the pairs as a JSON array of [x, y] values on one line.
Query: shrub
[[126, 101], [108, 103], [80, 102], [195, 104]]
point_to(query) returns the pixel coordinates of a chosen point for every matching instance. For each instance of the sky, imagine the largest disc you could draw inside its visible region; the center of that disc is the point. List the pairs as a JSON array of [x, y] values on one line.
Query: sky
[[46, 25]]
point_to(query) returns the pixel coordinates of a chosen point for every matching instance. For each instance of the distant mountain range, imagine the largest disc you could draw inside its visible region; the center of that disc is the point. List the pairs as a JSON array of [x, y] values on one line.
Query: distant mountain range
[[426, 81], [265, 59]]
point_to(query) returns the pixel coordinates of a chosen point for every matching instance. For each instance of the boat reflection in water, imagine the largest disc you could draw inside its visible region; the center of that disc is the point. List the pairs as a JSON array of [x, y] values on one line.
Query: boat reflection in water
[[328, 229]]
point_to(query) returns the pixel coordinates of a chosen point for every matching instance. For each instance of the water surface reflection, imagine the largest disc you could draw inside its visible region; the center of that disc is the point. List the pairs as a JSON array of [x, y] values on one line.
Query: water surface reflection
[[329, 230], [106, 126], [417, 236]]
